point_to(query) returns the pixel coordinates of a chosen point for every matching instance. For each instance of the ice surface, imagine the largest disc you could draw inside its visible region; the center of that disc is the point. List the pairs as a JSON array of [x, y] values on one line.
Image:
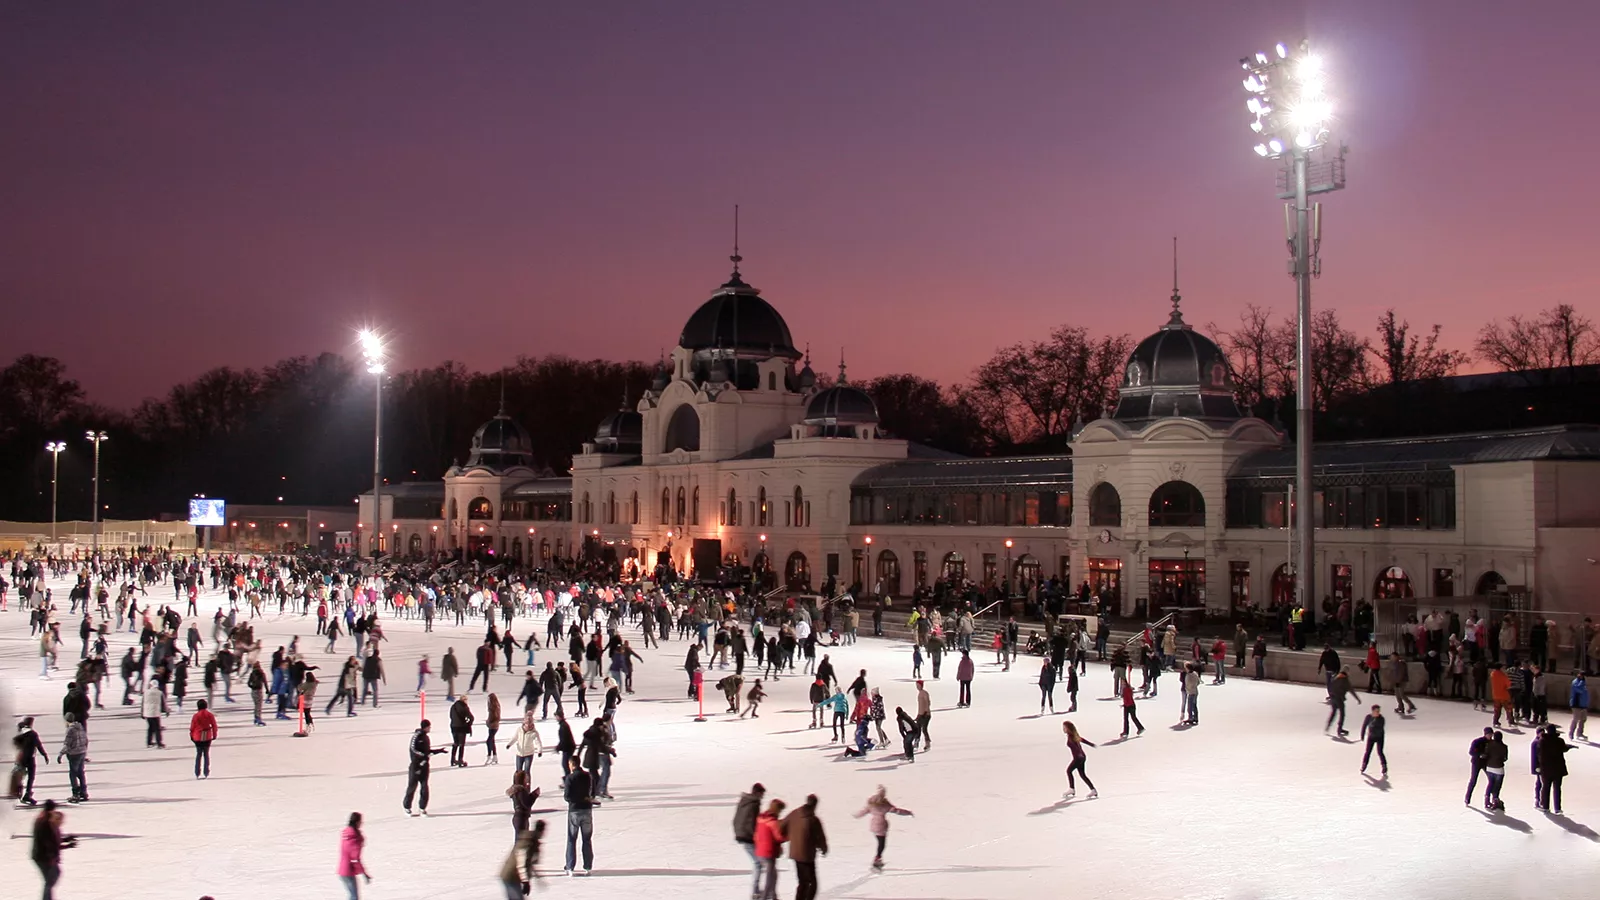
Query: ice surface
[[1255, 802]]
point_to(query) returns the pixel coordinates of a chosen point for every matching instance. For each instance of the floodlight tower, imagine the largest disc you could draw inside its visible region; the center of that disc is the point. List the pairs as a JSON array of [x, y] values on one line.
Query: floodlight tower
[[1292, 110], [372, 352]]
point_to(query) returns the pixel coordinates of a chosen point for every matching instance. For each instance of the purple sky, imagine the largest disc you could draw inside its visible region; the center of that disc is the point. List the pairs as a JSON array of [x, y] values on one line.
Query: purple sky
[[192, 185]]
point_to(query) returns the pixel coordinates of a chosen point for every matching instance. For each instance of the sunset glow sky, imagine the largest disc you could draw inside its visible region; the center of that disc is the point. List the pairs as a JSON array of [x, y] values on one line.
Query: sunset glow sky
[[193, 185]]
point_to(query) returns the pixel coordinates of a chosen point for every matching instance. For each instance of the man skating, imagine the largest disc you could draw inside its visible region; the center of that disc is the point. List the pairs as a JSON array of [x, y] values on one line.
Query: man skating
[[1372, 728], [1339, 689], [422, 751]]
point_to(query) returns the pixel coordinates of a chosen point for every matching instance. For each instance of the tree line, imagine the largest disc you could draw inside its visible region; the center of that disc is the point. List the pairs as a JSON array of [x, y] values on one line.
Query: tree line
[[301, 429]]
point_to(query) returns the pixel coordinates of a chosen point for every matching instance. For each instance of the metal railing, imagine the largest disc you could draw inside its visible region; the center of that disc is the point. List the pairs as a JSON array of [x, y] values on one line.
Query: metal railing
[[1152, 627]]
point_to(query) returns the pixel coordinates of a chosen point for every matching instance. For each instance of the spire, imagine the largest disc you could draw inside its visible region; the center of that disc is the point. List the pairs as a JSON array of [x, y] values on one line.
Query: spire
[[736, 258], [842, 379], [624, 407], [501, 414], [1176, 321]]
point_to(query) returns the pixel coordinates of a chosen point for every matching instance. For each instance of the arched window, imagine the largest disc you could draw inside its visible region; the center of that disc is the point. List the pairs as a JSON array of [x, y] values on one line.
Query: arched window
[[633, 509], [1025, 572], [480, 508], [666, 507], [733, 507], [1105, 506], [797, 572], [415, 545], [1177, 504], [799, 508], [516, 549], [954, 568], [452, 509], [585, 512], [1492, 582], [888, 583], [1392, 584], [761, 508], [433, 543], [544, 551], [1283, 586], [611, 507], [694, 507], [679, 520], [772, 381], [683, 430]]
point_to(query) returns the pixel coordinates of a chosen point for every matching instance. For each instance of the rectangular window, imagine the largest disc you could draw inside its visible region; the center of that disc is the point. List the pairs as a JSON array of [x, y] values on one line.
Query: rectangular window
[[990, 568], [722, 512], [1030, 510], [919, 567], [858, 568], [808, 513], [1442, 507], [1273, 509], [1015, 510], [788, 512], [1239, 584], [1064, 508], [1341, 581], [1064, 567], [1444, 582]]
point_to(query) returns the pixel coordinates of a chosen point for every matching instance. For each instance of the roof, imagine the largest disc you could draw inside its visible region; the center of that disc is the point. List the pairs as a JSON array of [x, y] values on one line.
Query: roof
[[425, 490], [1041, 472], [735, 319], [1441, 452], [540, 487]]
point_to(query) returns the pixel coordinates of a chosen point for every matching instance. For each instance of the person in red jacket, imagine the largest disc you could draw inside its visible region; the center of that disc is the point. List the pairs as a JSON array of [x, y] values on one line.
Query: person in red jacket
[[769, 846], [202, 730], [1219, 656]]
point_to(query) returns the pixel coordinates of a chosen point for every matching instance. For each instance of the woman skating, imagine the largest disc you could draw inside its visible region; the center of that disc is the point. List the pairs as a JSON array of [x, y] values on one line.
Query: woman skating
[[879, 808], [493, 724], [1075, 744], [769, 844], [525, 742], [522, 800], [1047, 686], [351, 842]]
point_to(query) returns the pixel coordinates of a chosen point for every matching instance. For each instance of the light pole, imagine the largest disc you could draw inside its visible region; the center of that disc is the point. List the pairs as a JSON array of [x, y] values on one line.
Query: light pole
[[1292, 111], [54, 448], [97, 438], [1005, 580], [372, 351]]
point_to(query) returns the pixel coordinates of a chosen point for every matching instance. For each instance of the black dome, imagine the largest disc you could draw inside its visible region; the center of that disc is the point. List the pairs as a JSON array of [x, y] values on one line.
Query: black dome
[[843, 404], [620, 432], [1177, 372], [738, 321], [501, 443]]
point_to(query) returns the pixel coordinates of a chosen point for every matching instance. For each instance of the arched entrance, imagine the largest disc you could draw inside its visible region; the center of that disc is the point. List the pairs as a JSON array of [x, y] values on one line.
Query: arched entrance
[[954, 568], [1282, 586], [1392, 584], [1105, 506], [1026, 572], [797, 572], [414, 546], [544, 551], [888, 579], [1491, 582], [1177, 504]]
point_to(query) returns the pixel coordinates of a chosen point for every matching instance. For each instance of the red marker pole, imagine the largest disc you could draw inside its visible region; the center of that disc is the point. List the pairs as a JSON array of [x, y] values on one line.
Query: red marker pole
[[700, 696], [300, 710], [422, 697]]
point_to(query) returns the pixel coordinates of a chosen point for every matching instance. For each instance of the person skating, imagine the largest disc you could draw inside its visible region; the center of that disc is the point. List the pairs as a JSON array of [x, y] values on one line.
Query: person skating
[[1500, 694], [566, 744], [48, 842], [461, 719], [1047, 686], [529, 697], [522, 799], [351, 843], [745, 815], [202, 731], [422, 752], [1258, 653], [27, 744], [1075, 745], [924, 716], [1495, 755], [819, 696], [492, 724], [878, 716], [484, 661], [1552, 762], [1400, 680], [257, 682], [753, 700], [75, 747], [1477, 752], [525, 741], [839, 705], [578, 790], [1578, 700], [806, 839], [449, 671], [1372, 728], [1339, 690], [150, 708], [965, 669], [879, 809], [909, 732], [1130, 711], [769, 838], [520, 869]]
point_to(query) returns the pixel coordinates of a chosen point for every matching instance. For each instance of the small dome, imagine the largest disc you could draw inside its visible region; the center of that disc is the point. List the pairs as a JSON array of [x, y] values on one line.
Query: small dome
[[501, 443], [737, 321], [661, 380], [620, 432], [843, 404], [807, 379], [1177, 372]]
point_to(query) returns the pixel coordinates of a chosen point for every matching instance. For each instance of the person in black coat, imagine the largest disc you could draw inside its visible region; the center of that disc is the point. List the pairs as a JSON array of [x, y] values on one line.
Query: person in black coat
[[422, 751], [552, 681], [48, 843], [565, 743], [27, 744], [530, 692], [1552, 768], [461, 719]]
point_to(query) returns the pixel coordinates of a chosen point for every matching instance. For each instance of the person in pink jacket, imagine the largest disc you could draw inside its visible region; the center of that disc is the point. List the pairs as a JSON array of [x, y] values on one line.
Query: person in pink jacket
[[878, 808], [350, 843]]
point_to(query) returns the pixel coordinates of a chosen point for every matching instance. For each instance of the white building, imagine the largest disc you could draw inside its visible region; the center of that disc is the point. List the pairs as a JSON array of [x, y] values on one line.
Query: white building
[[735, 455]]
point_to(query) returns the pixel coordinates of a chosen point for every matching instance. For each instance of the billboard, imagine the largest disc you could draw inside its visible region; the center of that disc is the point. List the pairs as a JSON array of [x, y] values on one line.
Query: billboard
[[205, 511]]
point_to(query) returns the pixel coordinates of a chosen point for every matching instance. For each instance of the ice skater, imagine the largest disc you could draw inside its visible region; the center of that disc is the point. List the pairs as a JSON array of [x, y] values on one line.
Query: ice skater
[[879, 809], [1047, 686], [1372, 728], [1075, 744], [1338, 690]]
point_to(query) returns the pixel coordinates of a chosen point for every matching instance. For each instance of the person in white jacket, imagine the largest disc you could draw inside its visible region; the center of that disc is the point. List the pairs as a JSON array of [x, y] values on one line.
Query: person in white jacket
[[150, 708], [525, 742], [878, 808]]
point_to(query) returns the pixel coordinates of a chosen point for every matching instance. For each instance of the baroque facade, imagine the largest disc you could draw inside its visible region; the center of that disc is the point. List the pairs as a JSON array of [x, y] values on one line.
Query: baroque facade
[[737, 456]]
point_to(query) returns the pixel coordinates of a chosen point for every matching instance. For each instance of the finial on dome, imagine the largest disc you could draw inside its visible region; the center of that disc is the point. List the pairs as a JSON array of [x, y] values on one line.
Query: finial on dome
[[842, 378], [736, 258], [1176, 320], [502, 412]]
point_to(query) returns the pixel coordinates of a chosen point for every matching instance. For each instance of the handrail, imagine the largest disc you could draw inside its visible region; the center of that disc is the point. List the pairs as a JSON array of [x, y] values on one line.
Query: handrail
[[1151, 626], [979, 614]]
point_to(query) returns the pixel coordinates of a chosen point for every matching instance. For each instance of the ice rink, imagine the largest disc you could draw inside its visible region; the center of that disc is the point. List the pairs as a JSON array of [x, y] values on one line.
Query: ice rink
[[1254, 802]]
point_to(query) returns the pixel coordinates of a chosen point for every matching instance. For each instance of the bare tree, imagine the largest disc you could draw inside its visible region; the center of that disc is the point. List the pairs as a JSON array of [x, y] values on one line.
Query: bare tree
[[1255, 356], [1557, 337], [1032, 393], [1405, 356]]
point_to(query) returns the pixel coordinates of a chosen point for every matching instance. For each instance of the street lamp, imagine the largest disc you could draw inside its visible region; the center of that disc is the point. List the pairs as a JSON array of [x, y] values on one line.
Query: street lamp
[[54, 448], [97, 438], [1007, 579], [372, 352], [1292, 110]]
